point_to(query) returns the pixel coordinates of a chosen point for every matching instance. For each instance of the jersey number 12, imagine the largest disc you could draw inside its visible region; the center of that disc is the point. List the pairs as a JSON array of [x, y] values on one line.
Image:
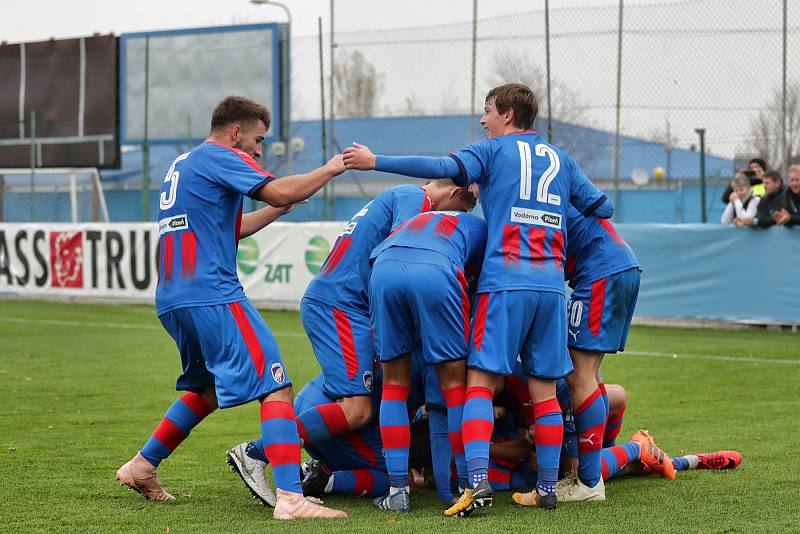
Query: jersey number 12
[[526, 173]]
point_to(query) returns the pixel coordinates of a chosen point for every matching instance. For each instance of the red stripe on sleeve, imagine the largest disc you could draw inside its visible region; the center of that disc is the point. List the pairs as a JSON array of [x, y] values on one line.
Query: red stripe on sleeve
[[169, 434], [346, 342], [557, 249], [447, 225], [418, 223], [253, 164], [196, 403], [605, 223], [336, 255], [480, 320], [536, 239], [168, 255], [510, 244], [188, 254], [250, 339], [596, 304], [462, 281], [283, 453]]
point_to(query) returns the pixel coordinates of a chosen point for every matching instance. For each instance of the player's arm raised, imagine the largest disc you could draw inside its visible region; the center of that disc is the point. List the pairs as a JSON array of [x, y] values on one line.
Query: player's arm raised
[[360, 157], [298, 187], [256, 220]]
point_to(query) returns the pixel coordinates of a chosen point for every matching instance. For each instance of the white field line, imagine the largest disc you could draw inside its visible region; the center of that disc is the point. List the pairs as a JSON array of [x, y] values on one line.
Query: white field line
[[670, 355]]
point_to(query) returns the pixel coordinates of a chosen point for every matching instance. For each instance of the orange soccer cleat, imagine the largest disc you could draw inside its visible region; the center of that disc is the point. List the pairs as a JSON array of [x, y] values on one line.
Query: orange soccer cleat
[[652, 456]]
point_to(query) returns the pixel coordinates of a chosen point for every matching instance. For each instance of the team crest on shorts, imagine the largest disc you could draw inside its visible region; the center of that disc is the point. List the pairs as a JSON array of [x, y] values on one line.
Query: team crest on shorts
[[369, 381], [278, 375]]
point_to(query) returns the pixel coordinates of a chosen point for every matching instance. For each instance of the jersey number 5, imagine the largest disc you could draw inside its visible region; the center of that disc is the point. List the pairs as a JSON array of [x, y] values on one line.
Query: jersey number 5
[[526, 173], [167, 199]]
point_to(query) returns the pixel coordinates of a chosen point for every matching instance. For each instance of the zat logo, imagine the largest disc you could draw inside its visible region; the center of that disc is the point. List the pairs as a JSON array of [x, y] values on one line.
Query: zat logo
[[66, 259], [278, 375]]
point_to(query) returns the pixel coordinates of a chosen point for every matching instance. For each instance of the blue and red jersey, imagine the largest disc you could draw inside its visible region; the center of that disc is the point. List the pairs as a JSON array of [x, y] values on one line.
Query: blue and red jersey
[[344, 278], [455, 234], [199, 221], [595, 250], [526, 188]]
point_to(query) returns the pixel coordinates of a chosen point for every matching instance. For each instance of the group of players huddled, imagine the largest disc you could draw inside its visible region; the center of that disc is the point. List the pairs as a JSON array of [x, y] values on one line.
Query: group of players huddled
[[449, 356]]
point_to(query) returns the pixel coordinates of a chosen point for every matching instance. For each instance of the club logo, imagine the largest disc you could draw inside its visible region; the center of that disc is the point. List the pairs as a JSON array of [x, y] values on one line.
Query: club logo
[[318, 249], [369, 381], [278, 375], [247, 255], [66, 259]]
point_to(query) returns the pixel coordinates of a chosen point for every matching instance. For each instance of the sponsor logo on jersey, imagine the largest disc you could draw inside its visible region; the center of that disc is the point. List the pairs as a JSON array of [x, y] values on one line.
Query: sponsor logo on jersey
[[278, 375], [318, 249], [173, 224], [350, 228], [66, 259], [369, 381], [536, 217]]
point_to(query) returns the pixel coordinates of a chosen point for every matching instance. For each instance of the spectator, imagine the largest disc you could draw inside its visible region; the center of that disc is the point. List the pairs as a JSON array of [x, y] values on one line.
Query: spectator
[[770, 203], [789, 214], [757, 167], [743, 202]]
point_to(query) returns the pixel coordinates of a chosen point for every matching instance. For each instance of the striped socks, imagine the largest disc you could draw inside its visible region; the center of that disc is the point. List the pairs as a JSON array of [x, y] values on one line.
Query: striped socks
[[590, 423], [395, 433], [548, 435], [281, 444], [184, 414], [359, 482], [321, 423], [455, 397], [476, 432], [615, 458]]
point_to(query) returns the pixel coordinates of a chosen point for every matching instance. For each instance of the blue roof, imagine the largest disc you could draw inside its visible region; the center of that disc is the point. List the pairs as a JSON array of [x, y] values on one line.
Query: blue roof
[[439, 135]]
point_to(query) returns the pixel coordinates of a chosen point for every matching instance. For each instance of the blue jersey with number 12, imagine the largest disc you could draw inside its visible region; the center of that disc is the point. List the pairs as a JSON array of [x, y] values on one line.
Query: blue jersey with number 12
[[526, 187]]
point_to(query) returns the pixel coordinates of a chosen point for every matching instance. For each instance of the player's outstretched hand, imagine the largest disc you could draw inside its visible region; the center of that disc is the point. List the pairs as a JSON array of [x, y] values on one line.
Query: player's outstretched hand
[[359, 157], [336, 165]]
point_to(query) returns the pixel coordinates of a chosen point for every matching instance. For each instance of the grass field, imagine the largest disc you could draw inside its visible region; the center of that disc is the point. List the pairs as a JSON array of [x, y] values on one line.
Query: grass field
[[82, 387]]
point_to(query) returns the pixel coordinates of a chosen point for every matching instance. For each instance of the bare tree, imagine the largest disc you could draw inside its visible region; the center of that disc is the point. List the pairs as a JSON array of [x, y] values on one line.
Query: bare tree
[[766, 128], [358, 86], [568, 106]]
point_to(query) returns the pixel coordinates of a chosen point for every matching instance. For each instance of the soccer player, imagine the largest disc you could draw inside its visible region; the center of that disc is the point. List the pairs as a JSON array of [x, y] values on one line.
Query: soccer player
[[525, 187], [228, 355], [419, 297], [335, 306], [603, 273]]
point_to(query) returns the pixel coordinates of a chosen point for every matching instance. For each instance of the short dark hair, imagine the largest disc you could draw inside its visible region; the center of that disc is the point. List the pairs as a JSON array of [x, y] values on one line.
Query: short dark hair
[[518, 97], [775, 175], [233, 109], [758, 161]]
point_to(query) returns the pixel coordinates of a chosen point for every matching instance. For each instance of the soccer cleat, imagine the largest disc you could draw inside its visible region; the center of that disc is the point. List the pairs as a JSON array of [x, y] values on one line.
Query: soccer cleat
[[477, 497], [652, 456], [141, 476], [316, 477], [719, 460], [251, 470], [394, 502], [292, 505], [571, 489], [533, 499]]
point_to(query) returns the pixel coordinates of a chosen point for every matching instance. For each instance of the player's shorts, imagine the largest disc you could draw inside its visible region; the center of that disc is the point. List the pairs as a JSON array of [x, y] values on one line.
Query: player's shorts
[[343, 344], [528, 323], [600, 314], [417, 299], [356, 449], [228, 347]]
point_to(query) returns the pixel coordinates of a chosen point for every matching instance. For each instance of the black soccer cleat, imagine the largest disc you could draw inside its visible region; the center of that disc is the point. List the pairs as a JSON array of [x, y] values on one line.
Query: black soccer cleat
[[316, 478]]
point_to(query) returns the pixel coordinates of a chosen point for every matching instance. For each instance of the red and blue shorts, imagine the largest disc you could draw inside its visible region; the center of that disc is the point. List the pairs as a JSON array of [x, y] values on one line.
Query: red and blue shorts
[[228, 347], [600, 314]]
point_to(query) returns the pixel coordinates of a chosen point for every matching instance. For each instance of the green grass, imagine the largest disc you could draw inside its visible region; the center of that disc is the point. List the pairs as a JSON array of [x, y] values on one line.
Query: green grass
[[79, 397]]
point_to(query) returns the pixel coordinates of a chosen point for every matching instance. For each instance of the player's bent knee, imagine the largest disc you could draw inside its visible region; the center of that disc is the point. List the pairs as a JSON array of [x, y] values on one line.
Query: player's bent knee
[[357, 411]]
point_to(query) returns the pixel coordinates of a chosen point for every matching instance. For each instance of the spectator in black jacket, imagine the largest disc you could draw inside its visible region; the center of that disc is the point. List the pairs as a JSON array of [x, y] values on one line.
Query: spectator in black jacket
[[789, 214], [757, 167], [771, 203]]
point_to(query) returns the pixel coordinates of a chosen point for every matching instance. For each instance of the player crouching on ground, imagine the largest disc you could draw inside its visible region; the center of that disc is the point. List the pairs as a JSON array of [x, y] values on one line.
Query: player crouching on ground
[[228, 354]]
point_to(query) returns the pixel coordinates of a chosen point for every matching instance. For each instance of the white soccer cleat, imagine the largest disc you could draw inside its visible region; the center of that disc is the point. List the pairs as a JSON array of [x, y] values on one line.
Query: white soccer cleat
[[141, 476], [571, 489], [251, 470], [294, 506]]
